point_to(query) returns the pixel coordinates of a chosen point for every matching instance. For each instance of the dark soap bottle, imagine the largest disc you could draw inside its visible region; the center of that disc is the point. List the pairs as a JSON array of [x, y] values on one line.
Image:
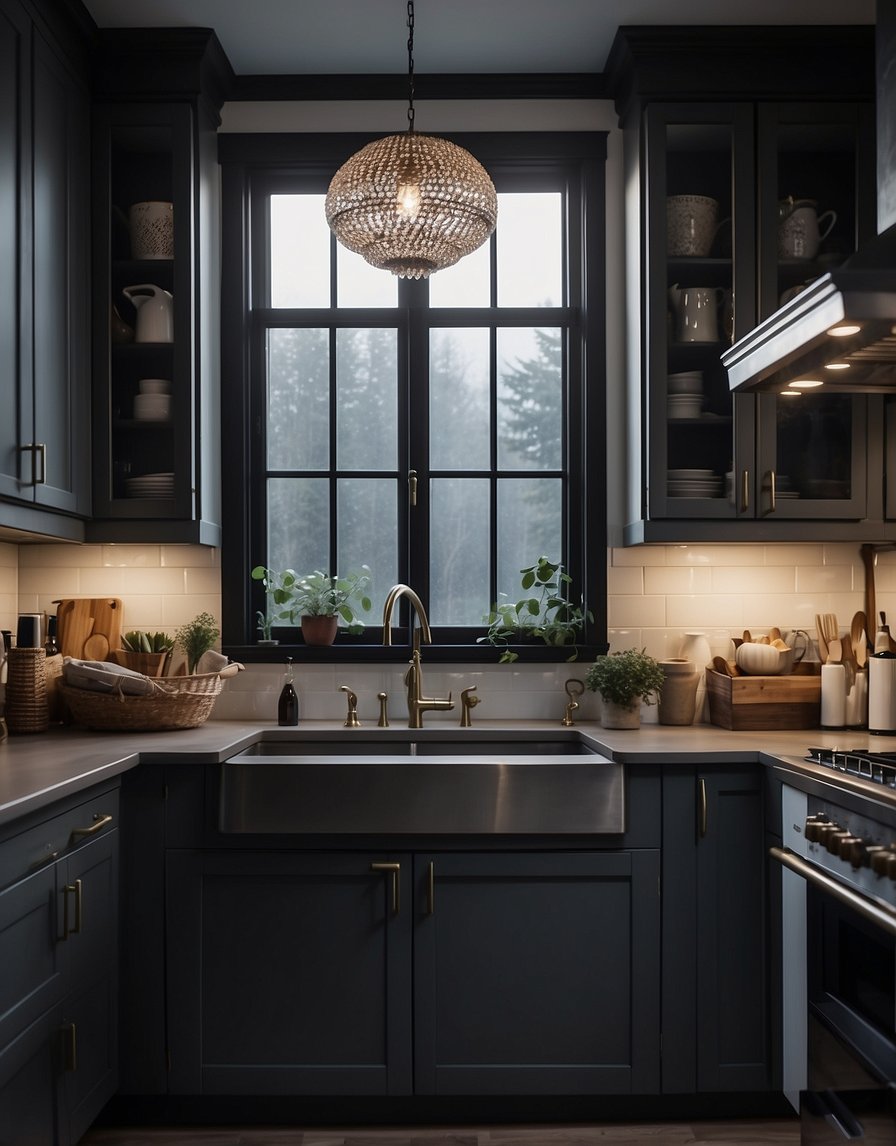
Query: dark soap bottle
[[288, 705], [51, 647]]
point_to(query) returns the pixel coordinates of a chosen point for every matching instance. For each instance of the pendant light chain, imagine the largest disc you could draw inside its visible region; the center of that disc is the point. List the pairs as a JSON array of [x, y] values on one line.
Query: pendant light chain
[[411, 204], [410, 65]]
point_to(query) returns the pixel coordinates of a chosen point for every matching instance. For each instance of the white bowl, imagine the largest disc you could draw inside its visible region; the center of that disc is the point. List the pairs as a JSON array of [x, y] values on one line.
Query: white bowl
[[154, 386], [152, 407], [763, 660]]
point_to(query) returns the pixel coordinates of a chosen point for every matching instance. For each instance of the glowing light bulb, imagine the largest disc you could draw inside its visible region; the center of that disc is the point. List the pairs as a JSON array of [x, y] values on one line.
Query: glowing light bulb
[[806, 383], [836, 366], [790, 394], [844, 331], [408, 200]]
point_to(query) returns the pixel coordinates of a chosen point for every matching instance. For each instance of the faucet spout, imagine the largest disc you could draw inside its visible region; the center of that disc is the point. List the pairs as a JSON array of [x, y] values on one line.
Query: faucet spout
[[418, 703], [392, 598]]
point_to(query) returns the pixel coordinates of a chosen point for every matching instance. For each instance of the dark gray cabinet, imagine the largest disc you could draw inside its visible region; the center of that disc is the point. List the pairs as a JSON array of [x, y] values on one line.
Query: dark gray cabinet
[[59, 951], [715, 971], [715, 466], [154, 140], [456, 973], [45, 234], [536, 973]]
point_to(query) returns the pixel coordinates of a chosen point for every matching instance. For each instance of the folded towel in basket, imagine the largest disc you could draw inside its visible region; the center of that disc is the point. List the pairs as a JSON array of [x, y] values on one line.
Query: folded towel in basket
[[103, 676]]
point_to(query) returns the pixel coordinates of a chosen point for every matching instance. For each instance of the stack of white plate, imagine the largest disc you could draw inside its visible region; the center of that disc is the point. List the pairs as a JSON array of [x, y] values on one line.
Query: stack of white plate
[[694, 483], [783, 488], [150, 485], [152, 407], [684, 405], [687, 382]]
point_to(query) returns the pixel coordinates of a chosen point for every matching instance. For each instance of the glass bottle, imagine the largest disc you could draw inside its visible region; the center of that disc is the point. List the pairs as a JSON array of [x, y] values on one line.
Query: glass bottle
[[288, 705], [51, 645]]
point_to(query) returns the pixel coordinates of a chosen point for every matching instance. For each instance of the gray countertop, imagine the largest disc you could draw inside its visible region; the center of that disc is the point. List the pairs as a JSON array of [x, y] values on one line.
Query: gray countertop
[[36, 770]]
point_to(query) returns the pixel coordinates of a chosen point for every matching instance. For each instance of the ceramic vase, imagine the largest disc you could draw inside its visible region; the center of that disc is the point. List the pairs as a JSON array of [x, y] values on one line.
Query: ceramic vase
[[619, 716], [678, 696]]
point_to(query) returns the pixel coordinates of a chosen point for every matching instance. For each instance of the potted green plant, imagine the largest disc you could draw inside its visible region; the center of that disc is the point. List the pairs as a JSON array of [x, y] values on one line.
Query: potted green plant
[[322, 600], [196, 638], [624, 680], [545, 613], [144, 652], [278, 587]]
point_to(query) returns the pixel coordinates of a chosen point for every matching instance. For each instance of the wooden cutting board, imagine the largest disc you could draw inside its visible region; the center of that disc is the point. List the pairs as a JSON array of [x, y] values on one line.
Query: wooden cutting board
[[77, 618]]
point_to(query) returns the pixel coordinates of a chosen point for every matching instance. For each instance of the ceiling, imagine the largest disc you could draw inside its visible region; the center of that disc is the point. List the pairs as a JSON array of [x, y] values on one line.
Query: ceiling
[[323, 37]]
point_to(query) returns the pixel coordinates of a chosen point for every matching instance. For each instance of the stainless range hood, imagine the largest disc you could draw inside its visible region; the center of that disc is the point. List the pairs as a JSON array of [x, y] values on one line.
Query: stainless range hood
[[841, 330]]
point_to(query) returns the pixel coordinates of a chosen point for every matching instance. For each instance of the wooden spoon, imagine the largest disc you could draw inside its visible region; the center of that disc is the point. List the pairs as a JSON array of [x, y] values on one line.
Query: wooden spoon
[[822, 643], [96, 647], [774, 634], [858, 639], [835, 651]]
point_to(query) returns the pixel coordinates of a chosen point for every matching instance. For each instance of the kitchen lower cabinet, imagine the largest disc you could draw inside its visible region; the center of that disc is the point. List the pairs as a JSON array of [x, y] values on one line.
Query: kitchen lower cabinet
[[371, 973], [536, 973], [58, 950], [715, 967]]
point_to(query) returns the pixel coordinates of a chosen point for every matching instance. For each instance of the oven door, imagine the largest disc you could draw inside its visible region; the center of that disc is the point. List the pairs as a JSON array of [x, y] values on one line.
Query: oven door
[[850, 1011]]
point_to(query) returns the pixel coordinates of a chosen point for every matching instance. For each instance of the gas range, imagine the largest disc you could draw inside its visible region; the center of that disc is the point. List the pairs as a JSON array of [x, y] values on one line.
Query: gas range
[[875, 767]]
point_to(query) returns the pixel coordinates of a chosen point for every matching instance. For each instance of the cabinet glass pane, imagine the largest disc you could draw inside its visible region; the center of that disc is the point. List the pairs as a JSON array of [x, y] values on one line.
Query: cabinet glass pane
[[459, 399], [699, 307], [814, 447], [298, 399], [366, 399], [459, 551]]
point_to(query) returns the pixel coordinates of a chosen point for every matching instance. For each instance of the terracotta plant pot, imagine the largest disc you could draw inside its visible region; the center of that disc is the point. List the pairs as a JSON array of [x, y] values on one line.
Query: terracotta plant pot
[[319, 630], [150, 664], [616, 716]]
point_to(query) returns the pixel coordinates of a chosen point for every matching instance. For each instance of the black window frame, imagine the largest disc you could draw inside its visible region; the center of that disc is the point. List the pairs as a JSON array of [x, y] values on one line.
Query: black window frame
[[252, 165]]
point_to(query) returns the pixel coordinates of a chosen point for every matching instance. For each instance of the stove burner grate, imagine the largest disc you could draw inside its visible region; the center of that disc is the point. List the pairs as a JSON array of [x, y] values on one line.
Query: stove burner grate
[[877, 767]]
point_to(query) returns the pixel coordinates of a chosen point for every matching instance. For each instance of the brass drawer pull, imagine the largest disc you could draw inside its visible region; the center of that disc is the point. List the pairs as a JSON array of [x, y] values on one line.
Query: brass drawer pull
[[75, 890], [100, 820], [702, 809], [395, 870], [431, 888]]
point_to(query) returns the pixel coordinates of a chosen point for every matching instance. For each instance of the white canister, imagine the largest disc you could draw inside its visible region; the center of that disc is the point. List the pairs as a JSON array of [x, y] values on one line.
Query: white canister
[[695, 647], [833, 696], [152, 230], [882, 693]]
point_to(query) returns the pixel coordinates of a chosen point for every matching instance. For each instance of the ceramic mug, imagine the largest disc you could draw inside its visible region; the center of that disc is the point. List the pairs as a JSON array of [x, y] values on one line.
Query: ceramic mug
[[691, 224], [801, 229], [152, 230], [696, 311]]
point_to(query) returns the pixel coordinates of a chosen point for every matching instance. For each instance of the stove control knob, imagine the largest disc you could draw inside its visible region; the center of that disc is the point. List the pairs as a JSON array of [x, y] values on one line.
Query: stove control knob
[[852, 849], [834, 839], [814, 825], [826, 830], [880, 858]]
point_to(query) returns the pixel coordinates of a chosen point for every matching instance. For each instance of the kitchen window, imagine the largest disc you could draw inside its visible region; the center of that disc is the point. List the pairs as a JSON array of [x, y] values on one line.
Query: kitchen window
[[437, 431]]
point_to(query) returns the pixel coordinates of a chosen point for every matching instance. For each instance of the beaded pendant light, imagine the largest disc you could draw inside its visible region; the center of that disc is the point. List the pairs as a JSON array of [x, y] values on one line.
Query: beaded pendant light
[[412, 204]]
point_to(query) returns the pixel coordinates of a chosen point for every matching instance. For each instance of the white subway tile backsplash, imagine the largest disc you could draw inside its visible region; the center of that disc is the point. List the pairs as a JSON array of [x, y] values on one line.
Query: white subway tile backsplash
[[132, 556], [677, 580], [783, 554], [712, 555], [824, 579], [773, 579], [628, 578], [635, 612]]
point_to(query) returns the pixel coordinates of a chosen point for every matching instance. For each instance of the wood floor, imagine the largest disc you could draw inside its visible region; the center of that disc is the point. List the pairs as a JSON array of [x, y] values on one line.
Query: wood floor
[[743, 1132]]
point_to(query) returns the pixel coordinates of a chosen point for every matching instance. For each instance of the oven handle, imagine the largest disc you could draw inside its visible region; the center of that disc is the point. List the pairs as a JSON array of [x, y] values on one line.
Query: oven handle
[[882, 917]]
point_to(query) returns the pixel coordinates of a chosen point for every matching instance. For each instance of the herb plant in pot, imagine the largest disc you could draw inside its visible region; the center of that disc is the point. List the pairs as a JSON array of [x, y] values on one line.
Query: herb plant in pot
[[624, 680], [322, 600]]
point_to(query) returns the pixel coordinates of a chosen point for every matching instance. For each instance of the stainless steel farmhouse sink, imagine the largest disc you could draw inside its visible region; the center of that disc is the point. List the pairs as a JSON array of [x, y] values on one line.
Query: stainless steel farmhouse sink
[[421, 787]]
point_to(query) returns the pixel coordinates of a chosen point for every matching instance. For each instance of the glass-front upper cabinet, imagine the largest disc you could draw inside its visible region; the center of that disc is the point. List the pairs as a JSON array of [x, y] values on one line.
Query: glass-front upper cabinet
[[816, 205], [700, 218], [746, 204]]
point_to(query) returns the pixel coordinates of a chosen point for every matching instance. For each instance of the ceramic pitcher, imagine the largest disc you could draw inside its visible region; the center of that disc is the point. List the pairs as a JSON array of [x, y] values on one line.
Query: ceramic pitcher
[[696, 313], [155, 318]]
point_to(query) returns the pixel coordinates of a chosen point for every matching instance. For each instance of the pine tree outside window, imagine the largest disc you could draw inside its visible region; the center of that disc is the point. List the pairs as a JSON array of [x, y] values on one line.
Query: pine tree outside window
[[480, 391]]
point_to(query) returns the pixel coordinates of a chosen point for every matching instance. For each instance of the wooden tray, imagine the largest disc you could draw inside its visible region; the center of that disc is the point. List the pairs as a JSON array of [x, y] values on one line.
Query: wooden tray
[[752, 703]]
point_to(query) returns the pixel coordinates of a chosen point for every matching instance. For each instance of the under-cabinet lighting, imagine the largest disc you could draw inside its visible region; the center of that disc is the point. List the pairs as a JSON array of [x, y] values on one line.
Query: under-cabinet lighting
[[806, 383], [836, 365], [791, 394], [844, 331]]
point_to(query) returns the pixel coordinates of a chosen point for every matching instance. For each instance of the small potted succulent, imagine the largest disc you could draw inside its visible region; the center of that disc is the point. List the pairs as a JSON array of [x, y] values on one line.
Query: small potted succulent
[[624, 680], [544, 613], [144, 652]]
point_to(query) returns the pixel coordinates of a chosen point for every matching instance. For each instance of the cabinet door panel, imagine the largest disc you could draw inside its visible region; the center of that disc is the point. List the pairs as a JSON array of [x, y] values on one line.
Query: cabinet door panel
[[537, 974], [288, 974], [61, 283], [29, 1086], [32, 958]]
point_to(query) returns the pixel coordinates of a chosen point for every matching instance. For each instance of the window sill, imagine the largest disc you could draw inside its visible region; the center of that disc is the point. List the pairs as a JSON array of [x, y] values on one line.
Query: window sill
[[348, 653]]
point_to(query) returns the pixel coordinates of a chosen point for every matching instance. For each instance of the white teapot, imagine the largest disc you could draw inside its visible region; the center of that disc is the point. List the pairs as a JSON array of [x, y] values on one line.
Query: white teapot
[[155, 312], [801, 229]]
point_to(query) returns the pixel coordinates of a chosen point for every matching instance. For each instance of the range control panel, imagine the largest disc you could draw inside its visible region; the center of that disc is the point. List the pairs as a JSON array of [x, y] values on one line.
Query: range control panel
[[858, 850]]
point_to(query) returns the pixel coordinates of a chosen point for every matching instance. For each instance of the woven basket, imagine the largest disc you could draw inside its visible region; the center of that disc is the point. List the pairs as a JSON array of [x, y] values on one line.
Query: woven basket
[[176, 702], [26, 691]]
